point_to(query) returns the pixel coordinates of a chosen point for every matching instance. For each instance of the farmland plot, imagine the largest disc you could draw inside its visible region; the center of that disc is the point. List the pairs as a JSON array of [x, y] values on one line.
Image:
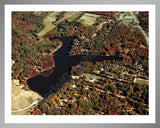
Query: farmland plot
[[52, 18], [48, 23], [75, 16], [88, 19]]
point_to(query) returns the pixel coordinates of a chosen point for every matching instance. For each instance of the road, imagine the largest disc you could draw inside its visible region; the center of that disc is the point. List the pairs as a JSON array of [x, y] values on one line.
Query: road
[[48, 23], [137, 22], [102, 90], [109, 92], [34, 103], [98, 28], [144, 33]]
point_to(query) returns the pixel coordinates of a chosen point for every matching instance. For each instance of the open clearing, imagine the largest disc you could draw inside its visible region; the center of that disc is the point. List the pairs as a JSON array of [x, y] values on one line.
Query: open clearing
[[88, 76], [141, 81], [22, 99], [88, 19], [75, 16], [51, 18], [48, 23]]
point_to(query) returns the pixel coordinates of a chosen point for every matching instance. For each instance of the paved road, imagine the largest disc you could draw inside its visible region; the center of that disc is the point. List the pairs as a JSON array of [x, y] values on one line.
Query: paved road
[[136, 20]]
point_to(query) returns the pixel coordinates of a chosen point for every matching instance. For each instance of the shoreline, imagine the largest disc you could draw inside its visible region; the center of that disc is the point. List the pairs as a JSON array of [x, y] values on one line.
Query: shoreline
[[42, 72], [52, 60], [57, 49], [22, 98], [27, 89]]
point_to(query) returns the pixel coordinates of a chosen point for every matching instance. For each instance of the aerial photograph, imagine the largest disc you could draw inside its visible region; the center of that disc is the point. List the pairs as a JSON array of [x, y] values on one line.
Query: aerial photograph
[[80, 63]]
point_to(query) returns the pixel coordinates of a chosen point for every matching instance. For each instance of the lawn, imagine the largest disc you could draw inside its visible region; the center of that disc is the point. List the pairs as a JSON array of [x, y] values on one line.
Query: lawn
[[75, 16], [141, 81], [88, 76], [88, 19], [48, 23]]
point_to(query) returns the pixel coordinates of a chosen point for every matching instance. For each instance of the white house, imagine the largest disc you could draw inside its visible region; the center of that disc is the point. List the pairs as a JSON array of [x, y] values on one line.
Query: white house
[[73, 86], [92, 79], [75, 77]]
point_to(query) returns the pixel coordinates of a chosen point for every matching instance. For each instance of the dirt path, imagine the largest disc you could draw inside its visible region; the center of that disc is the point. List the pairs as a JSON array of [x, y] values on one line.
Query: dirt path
[[48, 22], [22, 100], [34, 103], [98, 28]]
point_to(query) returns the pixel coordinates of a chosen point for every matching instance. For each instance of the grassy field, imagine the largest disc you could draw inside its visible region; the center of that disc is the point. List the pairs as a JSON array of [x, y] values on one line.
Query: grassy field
[[127, 19], [85, 18], [75, 16], [48, 23], [88, 19], [21, 98], [141, 81], [88, 76], [15, 89], [52, 18], [37, 12], [81, 20]]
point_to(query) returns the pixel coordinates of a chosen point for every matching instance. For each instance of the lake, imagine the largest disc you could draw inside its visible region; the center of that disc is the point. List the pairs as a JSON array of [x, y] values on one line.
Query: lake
[[63, 64]]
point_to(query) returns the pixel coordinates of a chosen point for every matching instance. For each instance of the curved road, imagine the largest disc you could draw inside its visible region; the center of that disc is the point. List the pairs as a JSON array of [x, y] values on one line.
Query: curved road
[[34, 103], [144, 33]]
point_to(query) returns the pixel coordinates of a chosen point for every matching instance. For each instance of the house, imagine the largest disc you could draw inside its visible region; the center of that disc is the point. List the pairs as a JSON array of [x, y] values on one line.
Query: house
[[75, 77], [12, 62], [92, 79], [101, 24], [87, 88], [73, 86], [136, 63], [102, 69], [82, 50], [97, 72], [136, 13]]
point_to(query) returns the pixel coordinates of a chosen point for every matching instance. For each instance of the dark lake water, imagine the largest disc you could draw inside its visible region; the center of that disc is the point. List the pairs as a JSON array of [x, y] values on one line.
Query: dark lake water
[[46, 85]]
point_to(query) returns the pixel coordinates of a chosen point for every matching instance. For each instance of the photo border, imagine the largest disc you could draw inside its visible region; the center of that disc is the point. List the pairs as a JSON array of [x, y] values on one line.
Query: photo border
[[81, 118], [2, 75]]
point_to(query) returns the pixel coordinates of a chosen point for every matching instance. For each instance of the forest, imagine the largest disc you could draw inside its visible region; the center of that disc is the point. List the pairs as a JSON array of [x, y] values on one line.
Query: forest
[[30, 53]]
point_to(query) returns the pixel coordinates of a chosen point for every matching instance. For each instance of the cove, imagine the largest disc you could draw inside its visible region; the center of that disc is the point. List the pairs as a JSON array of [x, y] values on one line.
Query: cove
[[63, 64]]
